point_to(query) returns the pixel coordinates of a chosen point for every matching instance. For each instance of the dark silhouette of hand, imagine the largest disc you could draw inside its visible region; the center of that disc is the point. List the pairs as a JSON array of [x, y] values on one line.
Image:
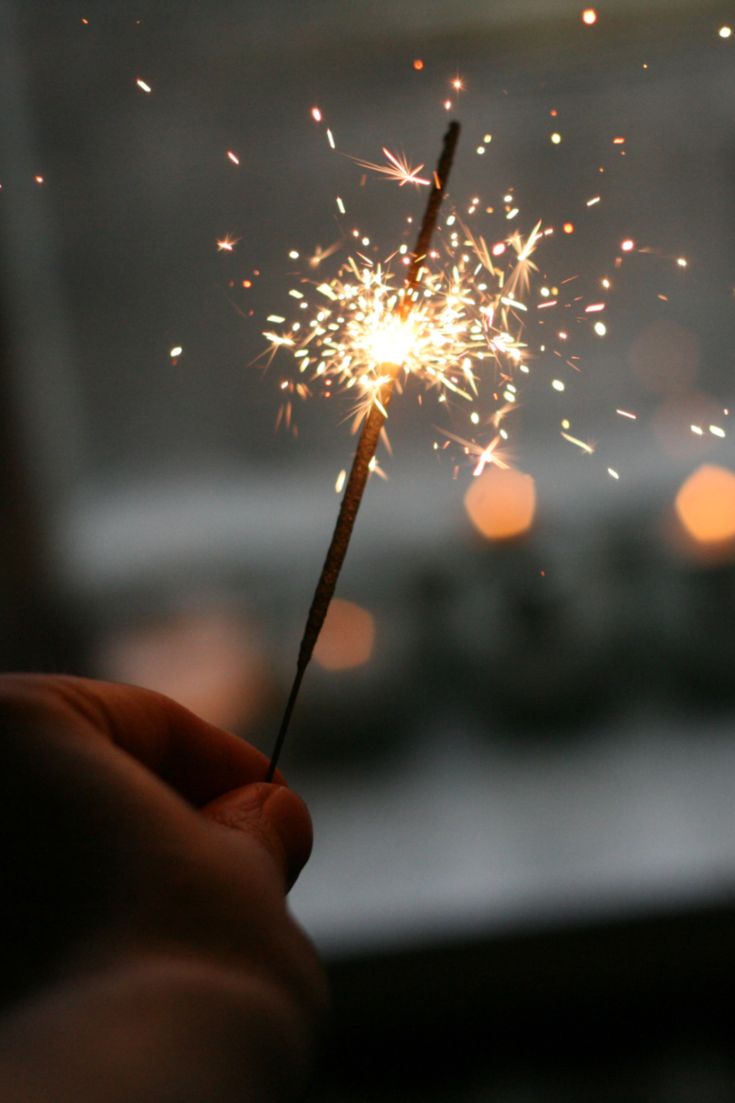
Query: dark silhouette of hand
[[145, 869]]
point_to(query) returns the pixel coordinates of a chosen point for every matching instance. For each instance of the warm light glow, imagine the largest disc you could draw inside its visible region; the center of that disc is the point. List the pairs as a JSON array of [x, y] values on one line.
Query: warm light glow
[[347, 638], [589, 17], [705, 504], [501, 503], [391, 341], [418, 64], [725, 32]]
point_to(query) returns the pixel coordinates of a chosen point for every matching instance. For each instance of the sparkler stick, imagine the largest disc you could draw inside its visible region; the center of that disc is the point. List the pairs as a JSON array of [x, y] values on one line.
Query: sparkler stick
[[365, 451]]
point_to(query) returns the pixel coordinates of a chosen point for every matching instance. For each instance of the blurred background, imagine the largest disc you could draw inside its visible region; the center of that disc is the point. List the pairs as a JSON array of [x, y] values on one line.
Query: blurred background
[[517, 737]]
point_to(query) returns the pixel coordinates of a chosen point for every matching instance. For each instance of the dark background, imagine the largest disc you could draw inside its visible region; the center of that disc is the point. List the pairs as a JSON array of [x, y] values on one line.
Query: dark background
[[525, 859]]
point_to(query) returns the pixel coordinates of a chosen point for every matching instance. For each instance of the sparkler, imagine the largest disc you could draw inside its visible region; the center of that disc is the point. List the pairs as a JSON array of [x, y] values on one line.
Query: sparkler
[[397, 333]]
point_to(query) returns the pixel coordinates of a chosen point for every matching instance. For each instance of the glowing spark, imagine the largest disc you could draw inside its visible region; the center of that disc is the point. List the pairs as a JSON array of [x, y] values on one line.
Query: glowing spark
[[555, 138], [588, 449], [464, 316], [628, 245], [627, 413], [330, 139], [340, 205], [682, 262], [233, 157], [600, 329], [725, 32], [175, 352], [458, 84], [558, 385], [39, 179], [613, 473], [418, 64], [717, 431], [340, 483], [589, 17], [697, 429], [397, 168], [143, 85], [595, 199], [226, 244], [316, 114], [594, 308]]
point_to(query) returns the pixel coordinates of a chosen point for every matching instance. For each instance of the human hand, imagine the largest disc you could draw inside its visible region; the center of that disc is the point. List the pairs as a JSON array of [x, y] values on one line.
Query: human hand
[[136, 833]]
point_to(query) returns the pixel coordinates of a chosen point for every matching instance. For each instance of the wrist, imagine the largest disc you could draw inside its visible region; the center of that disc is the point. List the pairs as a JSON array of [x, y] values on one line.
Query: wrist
[[156, 1028]]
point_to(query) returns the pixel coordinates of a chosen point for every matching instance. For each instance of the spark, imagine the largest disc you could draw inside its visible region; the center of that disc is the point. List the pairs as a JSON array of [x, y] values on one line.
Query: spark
[[418, 64], [600, 329], [458, 84], [462, 317], [226, 244], [725, 32], [589, 17], [595, 199], [588, 449], [397, 168], [555, 138], [717, 431], [628, 245], [233, 157], [613, 473], [316, 114], [330, 139], [143, 85], [340, 483], [175, 352], [628, 414]]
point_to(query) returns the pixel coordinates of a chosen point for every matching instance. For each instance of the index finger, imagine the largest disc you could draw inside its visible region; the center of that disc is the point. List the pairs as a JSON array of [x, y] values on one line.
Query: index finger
[[195, 758]]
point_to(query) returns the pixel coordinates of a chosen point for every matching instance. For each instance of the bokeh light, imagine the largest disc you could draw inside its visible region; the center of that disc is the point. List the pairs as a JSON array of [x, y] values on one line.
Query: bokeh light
[[501, 503], [705, 504], [347, 638]]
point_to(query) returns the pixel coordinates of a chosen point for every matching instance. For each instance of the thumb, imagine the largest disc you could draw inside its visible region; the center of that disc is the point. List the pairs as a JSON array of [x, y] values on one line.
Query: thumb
[[274, 816]]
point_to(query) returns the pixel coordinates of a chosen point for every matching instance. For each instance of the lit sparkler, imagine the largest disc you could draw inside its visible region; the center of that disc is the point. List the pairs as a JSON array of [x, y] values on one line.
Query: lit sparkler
[[389, 349], [373, 333]]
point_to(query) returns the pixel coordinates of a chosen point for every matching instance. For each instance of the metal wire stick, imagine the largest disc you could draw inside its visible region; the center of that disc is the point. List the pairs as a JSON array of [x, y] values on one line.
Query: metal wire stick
[[366, 446]]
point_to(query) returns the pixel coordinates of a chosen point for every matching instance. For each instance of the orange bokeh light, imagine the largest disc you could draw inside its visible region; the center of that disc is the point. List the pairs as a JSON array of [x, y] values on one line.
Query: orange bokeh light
[[501, 503], [347, 638], [589, 17], [418, 64], [705, 504]]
